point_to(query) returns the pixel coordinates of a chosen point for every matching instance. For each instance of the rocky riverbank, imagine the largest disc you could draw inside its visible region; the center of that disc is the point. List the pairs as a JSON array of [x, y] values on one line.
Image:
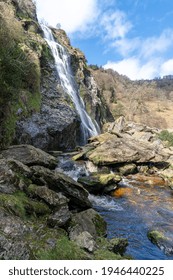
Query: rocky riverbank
[[47, 215], [129, 152]]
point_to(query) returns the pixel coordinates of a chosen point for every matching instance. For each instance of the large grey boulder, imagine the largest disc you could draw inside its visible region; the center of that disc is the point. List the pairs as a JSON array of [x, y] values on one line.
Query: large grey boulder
[[88, 220], [29, 155], [59, 182]]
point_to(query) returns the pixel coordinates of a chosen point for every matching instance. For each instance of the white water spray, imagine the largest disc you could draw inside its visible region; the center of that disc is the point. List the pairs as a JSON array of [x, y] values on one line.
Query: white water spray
[[62, 63]]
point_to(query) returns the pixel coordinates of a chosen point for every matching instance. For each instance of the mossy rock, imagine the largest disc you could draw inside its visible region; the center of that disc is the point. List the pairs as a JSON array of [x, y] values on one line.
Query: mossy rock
[[100, 225], [128, 169], [156, 237], [106, 255], [84, 151], [63, 250], [20, 205], [114, 245], [42, 238], [98, 183]]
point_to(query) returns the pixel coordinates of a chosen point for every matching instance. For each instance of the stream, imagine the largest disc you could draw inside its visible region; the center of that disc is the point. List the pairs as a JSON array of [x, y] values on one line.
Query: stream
[[131, 212]]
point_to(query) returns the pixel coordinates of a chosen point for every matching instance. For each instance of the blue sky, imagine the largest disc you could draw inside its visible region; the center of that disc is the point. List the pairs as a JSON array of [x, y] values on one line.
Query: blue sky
[[133, 37]]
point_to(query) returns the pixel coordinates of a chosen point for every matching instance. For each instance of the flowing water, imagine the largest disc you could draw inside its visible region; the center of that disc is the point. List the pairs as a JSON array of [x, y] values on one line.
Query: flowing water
[[136, 209], [62, 63], [133, 210]]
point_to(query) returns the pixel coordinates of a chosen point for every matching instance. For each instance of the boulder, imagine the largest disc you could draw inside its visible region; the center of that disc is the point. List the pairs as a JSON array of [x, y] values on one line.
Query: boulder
[[60, 217], [110, 149], [59, 182], [98, 183], [85, 240], [128, 169], [88, 220], [29, 155], [160, 240], [52, 198], [118, 245]]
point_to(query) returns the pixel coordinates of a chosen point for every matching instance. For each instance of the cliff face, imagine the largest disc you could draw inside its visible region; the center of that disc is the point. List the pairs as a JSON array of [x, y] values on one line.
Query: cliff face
[[94, 101], [39, 112], [20, 72]]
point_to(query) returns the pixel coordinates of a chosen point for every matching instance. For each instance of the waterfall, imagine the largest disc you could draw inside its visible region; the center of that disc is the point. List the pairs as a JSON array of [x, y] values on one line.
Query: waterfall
[[62, 63]]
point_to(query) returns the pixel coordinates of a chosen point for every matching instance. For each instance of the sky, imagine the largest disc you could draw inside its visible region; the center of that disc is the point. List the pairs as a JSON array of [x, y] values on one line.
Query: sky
[[133, 37]]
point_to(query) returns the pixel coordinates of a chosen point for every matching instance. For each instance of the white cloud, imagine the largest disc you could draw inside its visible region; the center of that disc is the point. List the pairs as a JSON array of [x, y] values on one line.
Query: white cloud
[[126, 46], [167, 67], [159, 44], [115, 24], [134, 69], [143, 58], [72, 15]]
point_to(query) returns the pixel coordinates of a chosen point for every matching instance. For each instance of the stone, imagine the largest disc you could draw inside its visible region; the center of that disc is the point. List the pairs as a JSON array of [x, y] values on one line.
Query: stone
[[160, 240], [120, 150], [59, 182], [60, 217], [7, 178], [88, 220], [25, 8], [85, 240], [118, 245], [128, 169], [98, 183], [52, 198], [19, 168], [12, 225], [13, 249], [29, 155]]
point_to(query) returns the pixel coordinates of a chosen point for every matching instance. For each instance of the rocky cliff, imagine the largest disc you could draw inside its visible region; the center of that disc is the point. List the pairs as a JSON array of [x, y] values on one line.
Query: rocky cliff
[[36, 110]]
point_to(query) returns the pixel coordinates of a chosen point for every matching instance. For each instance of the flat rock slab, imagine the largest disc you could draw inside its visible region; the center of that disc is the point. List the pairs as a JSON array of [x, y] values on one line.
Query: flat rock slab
[[29, 155]]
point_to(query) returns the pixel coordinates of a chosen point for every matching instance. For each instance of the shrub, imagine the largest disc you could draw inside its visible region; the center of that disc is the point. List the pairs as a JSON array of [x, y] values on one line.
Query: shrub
[[167, 136]]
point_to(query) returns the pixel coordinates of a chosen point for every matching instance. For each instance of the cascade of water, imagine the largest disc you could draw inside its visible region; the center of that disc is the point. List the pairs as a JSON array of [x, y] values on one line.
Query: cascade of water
[[62, 62]]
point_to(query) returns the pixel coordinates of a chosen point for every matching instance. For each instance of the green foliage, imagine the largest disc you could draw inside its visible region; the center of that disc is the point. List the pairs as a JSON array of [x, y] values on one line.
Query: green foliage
[[46, 55], [167, 136], [64, 250], [19, 74], [94, 66]]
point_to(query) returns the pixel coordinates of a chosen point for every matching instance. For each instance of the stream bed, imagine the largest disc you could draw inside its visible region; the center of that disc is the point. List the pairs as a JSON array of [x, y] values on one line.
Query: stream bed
[[132, 211]]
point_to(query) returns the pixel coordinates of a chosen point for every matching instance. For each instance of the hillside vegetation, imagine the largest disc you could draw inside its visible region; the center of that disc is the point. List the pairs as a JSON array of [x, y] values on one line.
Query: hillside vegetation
[[147, 101], [19, 70]]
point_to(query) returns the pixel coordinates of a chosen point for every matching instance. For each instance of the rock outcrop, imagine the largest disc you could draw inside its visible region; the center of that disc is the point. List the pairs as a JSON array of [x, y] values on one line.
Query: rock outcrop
[[42, 114], [42, 210]]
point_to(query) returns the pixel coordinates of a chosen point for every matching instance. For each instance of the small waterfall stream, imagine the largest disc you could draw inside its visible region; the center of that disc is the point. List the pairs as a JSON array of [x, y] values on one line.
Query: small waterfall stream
[[62, 63], [132, 215]]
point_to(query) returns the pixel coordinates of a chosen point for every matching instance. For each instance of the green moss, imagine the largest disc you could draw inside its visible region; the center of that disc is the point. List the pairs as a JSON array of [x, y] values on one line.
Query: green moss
[[106, 255], [100, 225], [46, 55], [64, 250], [31, 189], [34, 102], [106, 178], [14, 203], [20, 205], [156, 236]]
